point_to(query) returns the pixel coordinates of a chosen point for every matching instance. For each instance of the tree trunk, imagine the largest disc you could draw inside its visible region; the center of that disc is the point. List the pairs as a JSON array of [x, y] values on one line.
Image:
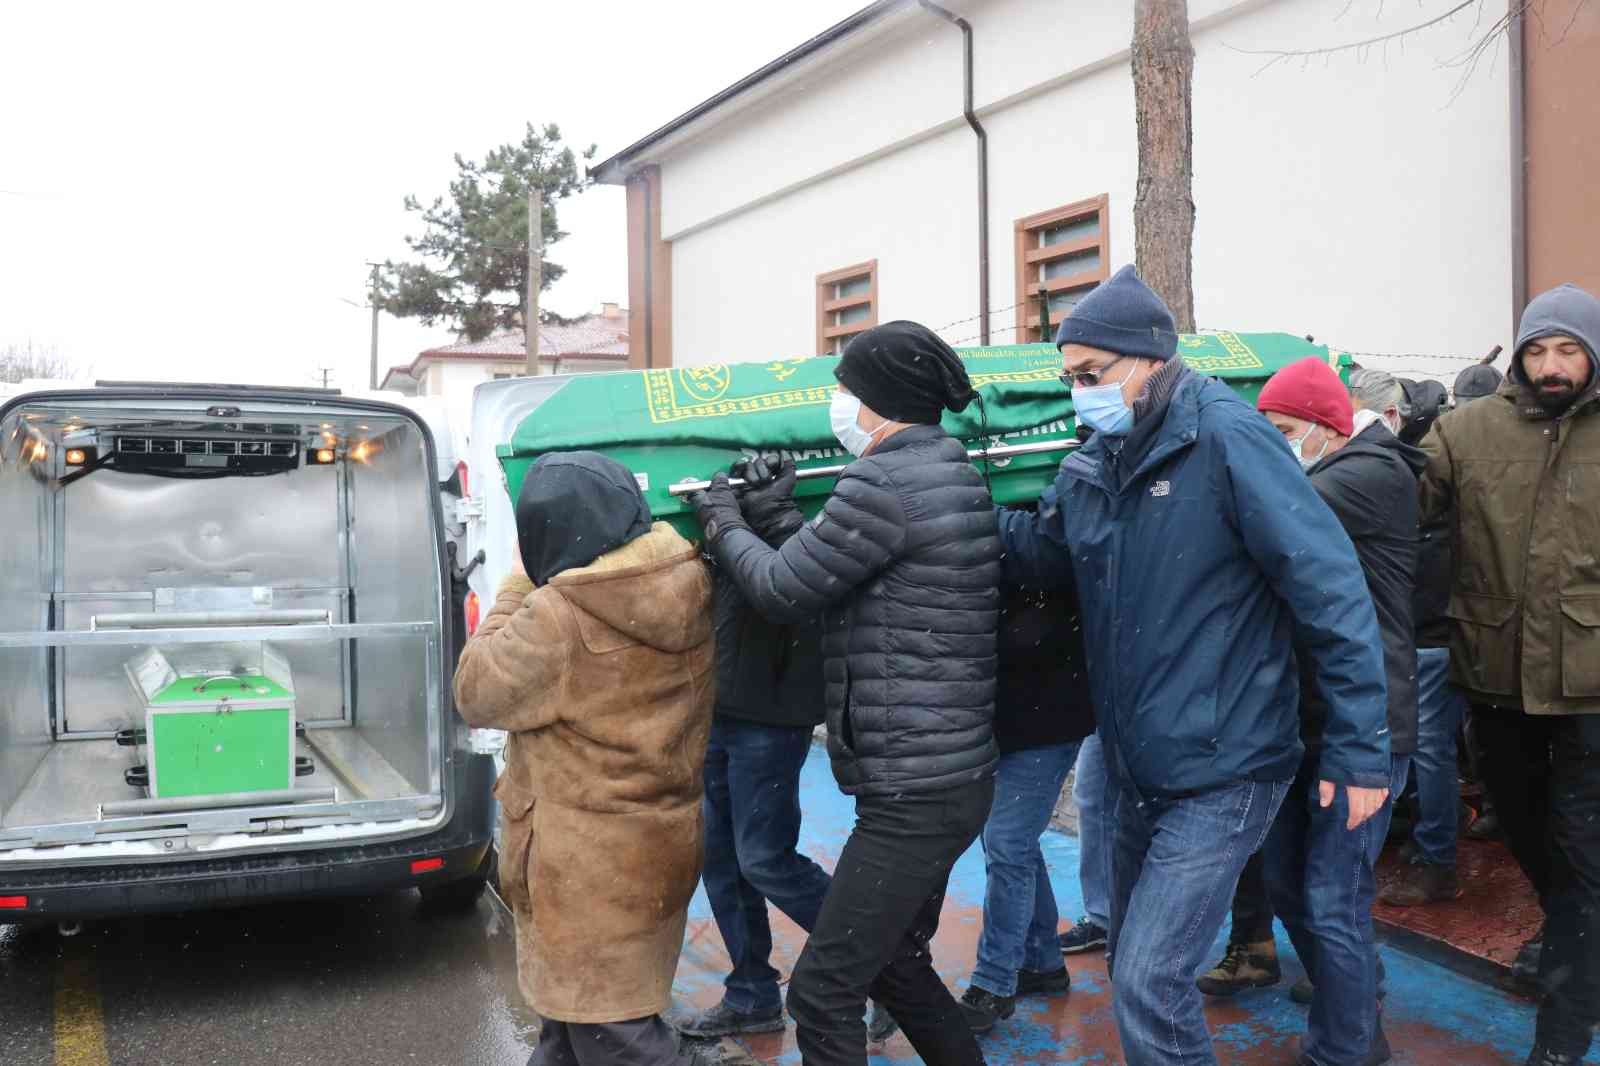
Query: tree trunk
[[1163, 210]]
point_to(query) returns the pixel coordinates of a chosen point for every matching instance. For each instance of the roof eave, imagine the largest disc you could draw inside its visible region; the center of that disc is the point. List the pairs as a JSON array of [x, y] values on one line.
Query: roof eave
[[618, 168]]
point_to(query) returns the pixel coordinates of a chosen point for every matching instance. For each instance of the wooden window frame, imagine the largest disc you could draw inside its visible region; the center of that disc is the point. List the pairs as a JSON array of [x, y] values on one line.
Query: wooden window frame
[[827, 305], [1030, 259]]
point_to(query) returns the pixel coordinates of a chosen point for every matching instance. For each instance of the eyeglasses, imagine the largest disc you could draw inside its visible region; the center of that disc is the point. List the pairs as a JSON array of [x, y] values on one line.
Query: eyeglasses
[[1088, 378]]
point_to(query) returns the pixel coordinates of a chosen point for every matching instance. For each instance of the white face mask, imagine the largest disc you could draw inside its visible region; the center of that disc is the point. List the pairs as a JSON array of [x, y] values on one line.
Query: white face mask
[[842, 414], [1297, 446]]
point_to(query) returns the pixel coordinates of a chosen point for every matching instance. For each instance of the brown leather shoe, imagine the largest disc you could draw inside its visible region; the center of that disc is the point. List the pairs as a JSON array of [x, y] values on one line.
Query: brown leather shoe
[[1422, 884]]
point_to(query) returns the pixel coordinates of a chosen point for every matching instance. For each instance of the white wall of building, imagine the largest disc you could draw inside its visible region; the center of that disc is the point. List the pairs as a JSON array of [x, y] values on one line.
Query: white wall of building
[[1357, 198]]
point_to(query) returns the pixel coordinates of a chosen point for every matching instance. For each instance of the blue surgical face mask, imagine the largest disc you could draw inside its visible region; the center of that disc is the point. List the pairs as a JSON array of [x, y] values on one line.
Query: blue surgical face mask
[[1102, 408], [842, 414]]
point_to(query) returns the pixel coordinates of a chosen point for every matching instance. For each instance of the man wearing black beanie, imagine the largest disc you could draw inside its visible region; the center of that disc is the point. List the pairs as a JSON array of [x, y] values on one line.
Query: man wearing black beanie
[[903, 566]]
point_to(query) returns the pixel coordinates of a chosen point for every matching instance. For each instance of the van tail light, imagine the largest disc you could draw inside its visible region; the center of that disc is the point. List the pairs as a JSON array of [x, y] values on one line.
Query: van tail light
[[427, 866], [461, 476], [473, 611], [13, 903]]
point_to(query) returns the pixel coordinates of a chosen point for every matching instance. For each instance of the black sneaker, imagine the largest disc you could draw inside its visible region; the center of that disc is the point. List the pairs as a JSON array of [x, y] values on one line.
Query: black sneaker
[[1034, 983], [880, 1023], [1485, 826], [1543, 1056], [1525, 967], [1085, 936], [1303, 991], [723, 1020], [982, 1008], [1243, 966], [693, 1052]]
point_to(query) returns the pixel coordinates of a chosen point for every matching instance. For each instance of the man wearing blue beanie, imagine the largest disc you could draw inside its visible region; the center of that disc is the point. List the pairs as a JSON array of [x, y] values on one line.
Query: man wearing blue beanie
[[1203, 560]]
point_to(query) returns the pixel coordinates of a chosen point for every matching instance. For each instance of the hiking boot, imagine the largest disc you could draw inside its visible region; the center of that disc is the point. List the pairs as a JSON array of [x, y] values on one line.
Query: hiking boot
[[1485, 826], [723, 1020], [880, 1024], [1421, 884], [1034, 983], [982, 1008], [1243, 966], [1085, 936], [1303, 991], [1543, 1056]]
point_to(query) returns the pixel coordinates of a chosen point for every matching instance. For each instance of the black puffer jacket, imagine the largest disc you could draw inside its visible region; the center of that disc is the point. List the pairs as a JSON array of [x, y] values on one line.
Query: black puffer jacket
[[1371, 485], [903, 563], [767, 672]]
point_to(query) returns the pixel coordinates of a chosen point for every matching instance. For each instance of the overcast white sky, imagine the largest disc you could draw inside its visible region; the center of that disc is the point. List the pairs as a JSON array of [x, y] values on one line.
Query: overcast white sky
[[190, 191]]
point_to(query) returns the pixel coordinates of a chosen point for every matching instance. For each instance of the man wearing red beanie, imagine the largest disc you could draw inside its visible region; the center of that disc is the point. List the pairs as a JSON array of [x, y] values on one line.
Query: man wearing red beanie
[[1318, 871]]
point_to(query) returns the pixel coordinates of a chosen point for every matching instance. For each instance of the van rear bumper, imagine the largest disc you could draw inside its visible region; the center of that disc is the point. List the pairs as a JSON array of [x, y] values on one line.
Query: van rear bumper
[[79, 893]]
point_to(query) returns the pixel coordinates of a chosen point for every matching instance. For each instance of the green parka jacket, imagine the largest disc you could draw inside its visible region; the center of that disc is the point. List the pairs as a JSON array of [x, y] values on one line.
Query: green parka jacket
[[1523, 486]]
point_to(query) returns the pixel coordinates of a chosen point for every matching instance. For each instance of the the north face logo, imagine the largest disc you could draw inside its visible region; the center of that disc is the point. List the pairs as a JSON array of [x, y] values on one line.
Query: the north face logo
[[1161, 488]]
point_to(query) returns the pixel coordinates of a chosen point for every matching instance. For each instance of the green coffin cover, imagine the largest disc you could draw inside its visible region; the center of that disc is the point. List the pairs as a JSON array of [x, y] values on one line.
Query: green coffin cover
[[674, 425]]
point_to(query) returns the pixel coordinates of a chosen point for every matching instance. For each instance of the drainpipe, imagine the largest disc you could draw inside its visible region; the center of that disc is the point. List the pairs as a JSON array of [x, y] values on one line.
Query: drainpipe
[[1519, 173], [649, 279], [983, 163]]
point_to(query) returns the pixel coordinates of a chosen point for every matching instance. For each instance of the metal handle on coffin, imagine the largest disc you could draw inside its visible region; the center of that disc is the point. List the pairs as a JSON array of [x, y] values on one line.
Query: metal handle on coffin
[[1004, 451], [178, 619]]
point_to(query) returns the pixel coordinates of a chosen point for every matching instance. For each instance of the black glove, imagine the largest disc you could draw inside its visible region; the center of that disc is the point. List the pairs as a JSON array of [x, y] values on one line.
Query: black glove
[[767, 499], [717, 508]]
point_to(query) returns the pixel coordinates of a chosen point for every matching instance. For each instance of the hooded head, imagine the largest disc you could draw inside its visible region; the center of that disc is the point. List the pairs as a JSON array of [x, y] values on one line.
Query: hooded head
[[905, 372], [1557, 342], [575, 507]]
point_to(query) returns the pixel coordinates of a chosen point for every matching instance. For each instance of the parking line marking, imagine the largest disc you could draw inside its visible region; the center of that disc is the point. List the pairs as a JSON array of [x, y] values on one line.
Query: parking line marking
[[80, 1025]]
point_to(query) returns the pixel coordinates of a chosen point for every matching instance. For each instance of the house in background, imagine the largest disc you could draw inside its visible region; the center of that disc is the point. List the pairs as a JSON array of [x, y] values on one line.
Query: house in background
[[595, 342], [1389, 200]]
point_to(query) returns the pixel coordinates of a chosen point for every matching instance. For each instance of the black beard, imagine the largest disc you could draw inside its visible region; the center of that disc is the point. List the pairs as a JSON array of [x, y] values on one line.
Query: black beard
[[1556, 402]]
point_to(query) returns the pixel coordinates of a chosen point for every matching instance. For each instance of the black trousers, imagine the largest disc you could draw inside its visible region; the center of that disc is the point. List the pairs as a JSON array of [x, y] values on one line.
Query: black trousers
[[641, 1042], [876, 922], [1543, 773], [1252, 909]]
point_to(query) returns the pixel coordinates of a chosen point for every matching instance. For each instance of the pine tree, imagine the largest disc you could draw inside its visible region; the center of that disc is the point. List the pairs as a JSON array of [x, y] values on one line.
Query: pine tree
[[472, 272]]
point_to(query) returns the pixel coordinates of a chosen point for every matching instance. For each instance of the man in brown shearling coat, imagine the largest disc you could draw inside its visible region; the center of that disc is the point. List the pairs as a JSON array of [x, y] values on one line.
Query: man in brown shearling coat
[[600, 664]]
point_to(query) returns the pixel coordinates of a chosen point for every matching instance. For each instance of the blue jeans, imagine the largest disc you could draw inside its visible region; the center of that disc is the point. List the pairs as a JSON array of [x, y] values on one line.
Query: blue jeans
[[1094, 852], [752, 810], [1319, 876], [1019, 906], [1440, 710], [1173, 868]]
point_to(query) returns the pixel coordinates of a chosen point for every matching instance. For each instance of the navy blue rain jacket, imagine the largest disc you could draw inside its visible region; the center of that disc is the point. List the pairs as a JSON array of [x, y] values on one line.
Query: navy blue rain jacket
[[1200, 571]]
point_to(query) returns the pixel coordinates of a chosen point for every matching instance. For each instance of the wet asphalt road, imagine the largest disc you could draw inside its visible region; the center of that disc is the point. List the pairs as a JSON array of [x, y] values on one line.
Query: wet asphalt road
[[378, 980]]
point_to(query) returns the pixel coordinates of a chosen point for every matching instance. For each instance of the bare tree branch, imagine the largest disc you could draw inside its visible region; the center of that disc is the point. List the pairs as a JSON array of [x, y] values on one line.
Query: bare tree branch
[[19, 362], [1362, 47], [1467, 61]]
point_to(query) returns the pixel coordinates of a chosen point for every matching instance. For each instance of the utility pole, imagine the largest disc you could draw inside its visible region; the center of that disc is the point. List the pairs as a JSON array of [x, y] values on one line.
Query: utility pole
[[530, 315], [372, 298], [325, 373]]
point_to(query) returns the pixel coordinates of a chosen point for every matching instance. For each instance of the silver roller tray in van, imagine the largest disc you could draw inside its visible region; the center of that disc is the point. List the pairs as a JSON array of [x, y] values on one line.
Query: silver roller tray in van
[[205, 524]]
